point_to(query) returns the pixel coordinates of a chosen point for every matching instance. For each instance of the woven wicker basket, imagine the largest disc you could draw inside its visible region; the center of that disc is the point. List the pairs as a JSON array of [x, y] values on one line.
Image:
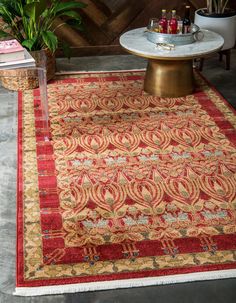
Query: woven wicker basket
[[19, 79], [23, 78]]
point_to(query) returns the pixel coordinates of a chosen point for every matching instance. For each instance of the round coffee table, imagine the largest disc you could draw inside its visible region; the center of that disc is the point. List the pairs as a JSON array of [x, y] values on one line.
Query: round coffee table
[[169, 72]]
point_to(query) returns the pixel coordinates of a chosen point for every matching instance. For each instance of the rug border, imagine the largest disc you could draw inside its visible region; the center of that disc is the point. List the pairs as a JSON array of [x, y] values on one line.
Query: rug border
[[127, 283], [67, 73], [19, 238]]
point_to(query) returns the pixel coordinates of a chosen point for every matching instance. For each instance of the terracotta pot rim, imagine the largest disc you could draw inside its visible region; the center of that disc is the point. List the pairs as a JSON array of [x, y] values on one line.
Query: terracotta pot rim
[[46, 50]]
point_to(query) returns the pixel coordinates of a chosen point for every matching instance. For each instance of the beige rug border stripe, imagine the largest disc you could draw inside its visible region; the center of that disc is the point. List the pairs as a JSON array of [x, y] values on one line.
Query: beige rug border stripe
[[127, 283]]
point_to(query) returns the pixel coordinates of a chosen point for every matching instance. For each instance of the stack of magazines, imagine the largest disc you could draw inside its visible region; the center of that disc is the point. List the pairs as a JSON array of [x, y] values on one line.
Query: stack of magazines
[[13, 55]]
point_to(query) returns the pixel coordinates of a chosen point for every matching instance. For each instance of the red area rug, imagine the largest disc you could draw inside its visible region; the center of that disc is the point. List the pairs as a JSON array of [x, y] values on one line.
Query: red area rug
[[132, 190]]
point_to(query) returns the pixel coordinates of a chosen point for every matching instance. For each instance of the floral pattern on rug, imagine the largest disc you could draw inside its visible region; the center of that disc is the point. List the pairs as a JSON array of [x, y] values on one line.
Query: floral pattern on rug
[[130, 186]]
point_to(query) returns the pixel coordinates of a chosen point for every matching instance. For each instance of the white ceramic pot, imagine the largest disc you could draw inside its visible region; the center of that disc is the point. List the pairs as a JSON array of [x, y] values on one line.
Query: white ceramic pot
[[225, 26]]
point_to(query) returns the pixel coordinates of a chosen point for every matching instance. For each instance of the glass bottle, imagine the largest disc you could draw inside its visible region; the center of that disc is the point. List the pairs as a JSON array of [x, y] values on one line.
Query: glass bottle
[[173, 23], [186, 20], [163, 22]]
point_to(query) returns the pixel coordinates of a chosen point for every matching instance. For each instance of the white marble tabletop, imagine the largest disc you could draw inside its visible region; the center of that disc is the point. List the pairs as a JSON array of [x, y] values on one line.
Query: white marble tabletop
[[135, 41]]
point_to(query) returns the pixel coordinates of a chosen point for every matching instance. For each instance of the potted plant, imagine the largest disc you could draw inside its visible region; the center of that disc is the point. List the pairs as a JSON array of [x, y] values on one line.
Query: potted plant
[[216, 7], [31, 22], [218, 18]]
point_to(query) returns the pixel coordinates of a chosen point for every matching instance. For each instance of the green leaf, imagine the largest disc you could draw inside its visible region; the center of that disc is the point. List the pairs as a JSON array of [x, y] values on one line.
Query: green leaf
[[50, 40], [41, 6], [29, 10], [72, 14], [35, 9], [28, 43], [3, 34], [6, 15], [61, 7]]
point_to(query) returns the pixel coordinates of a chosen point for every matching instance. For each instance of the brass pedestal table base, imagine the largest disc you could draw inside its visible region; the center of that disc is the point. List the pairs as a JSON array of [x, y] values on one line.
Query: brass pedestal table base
[[169, 78]]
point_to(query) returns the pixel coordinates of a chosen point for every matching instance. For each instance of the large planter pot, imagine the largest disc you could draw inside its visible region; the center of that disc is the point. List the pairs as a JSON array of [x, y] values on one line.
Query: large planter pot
[[223, 24], [44, 58]]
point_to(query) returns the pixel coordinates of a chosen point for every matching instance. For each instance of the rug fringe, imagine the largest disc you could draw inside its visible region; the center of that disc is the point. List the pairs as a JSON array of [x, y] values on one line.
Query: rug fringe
[[128, 283]]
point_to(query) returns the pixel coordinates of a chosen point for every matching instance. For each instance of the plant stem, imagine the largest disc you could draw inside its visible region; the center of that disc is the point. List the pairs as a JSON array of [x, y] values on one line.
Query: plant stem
[[224, 6]]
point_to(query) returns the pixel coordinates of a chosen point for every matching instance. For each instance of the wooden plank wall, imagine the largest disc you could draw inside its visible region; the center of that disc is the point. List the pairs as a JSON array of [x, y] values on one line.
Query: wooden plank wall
[[105, 20]]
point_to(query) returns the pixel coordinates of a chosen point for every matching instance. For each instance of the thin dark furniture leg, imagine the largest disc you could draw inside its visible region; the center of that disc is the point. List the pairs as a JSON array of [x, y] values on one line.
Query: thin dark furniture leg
[[228, 55], [201, 63]]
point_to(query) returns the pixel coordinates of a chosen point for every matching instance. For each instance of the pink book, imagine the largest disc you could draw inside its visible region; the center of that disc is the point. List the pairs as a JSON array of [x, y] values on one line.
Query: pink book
[[11, 50]]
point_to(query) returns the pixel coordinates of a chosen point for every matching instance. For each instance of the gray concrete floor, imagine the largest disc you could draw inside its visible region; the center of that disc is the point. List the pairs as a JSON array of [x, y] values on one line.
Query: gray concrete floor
[[195, 292]]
